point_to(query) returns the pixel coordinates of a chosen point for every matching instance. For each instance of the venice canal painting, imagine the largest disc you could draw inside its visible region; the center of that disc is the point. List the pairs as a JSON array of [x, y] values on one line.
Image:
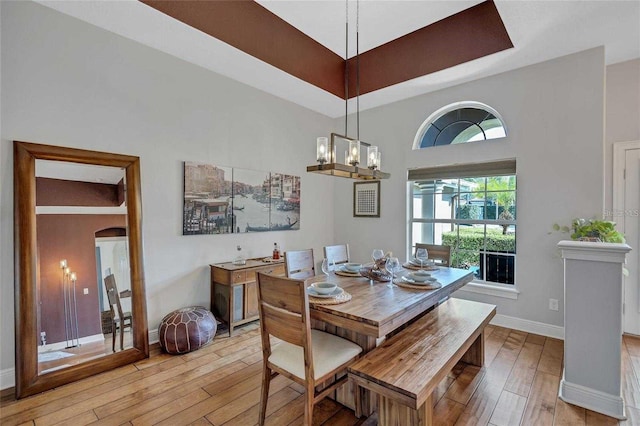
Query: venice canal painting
[[225, 200]]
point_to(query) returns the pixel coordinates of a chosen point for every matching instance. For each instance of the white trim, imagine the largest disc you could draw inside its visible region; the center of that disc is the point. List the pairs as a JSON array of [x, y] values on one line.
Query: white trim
[[80, 210], [592, 399], [7, 378], [62, 345], [491, 290], [619, 152], [154, 337], [451, 107], [529, 326], [597, 252]]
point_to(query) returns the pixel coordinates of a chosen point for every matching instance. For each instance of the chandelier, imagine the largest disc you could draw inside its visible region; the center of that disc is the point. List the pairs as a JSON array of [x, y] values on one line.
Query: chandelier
[[352, 167]]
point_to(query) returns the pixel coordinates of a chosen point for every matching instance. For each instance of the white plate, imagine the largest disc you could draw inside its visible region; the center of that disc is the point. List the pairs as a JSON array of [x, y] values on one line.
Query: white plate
[[346, 271], [312, 292], [414, 282]]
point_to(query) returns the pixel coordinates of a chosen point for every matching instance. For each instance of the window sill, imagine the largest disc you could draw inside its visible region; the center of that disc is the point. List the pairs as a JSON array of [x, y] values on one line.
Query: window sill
[[491, 290]]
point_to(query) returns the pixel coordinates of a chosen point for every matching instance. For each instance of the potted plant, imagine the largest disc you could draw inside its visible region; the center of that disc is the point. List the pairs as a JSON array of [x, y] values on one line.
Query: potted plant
[[592, 230]]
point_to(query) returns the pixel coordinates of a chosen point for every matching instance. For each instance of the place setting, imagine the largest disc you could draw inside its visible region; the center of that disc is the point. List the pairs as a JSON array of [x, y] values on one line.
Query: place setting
[[418, 280], [327, 293], [421, 262]]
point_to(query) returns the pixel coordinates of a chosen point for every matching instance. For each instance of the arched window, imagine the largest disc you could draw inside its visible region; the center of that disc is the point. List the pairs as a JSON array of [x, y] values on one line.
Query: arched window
[[460, 122]]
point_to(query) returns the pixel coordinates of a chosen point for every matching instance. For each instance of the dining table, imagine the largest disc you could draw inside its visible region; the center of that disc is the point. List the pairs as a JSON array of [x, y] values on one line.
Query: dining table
[[376, 311]]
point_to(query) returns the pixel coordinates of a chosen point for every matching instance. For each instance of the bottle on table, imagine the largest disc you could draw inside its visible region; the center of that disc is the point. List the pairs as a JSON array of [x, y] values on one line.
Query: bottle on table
[[276, 252]]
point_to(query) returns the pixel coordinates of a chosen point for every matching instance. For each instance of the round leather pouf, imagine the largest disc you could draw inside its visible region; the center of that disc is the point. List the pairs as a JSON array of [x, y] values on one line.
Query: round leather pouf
[[185, 330]]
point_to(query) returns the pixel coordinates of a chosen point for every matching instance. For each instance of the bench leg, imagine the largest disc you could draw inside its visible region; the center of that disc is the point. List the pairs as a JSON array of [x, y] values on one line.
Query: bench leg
[[475, 354], [393, 413]]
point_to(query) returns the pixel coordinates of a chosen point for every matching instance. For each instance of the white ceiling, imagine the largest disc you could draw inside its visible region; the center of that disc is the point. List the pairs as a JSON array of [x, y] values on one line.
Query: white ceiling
[[539, 30]]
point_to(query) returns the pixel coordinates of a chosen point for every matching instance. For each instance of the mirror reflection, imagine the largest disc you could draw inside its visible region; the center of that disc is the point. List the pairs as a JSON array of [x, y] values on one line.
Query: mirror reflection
[[83, 274]]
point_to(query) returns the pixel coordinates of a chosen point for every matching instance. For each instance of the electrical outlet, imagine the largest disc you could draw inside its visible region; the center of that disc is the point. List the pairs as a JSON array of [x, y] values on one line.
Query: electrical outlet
[[86, 291], [553, 304]]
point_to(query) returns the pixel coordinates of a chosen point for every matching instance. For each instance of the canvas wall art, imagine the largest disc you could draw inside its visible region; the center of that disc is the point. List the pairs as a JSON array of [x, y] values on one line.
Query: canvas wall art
[[225, 200]]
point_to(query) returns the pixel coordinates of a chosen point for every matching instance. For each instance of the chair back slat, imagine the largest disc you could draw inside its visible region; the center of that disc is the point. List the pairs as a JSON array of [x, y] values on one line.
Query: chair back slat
[[113, 295], [337, 254], [299, 264], [441, 254], [284, 308], [283, 324]]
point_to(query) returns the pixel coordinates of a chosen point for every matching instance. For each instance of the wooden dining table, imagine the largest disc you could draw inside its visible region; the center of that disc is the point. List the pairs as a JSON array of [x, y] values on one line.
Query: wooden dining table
[[375, 311]]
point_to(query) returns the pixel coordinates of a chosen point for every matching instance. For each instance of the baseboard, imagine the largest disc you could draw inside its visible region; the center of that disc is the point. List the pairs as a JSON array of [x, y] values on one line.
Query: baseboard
[[7, 378], [153, 336], [592, 399], [62, 345], [529, 326]]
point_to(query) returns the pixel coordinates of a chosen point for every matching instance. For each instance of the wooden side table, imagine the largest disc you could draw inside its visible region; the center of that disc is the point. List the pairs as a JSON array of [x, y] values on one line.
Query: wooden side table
[[234, 292]]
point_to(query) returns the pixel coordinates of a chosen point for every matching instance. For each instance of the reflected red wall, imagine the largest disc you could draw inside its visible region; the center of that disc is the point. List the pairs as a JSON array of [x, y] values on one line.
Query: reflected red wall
[[70, 237]]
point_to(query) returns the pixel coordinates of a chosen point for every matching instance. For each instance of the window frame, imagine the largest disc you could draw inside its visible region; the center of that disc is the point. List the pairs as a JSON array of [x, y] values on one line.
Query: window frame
[[509, 291], [452, 107]]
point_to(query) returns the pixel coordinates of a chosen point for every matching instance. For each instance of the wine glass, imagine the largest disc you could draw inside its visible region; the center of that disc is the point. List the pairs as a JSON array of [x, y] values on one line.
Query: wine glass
[[392, 265], [421, 256], [377, 254], [326, 266]]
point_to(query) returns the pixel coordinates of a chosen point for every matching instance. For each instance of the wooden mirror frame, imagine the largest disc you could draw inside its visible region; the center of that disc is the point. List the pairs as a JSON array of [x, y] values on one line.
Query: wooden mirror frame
[[28, 381]]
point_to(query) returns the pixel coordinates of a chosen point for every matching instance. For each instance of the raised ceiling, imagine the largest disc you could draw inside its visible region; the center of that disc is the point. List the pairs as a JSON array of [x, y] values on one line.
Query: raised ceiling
[[538, 30]]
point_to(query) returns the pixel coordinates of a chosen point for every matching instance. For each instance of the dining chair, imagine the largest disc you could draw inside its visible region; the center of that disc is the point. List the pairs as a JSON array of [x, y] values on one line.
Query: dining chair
[[299, 264], [308, 357], [441, 254], [337, 254], [119, 319]]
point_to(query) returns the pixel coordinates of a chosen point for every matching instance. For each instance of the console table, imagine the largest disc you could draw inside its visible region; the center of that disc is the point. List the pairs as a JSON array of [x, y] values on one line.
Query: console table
[[234, 293]]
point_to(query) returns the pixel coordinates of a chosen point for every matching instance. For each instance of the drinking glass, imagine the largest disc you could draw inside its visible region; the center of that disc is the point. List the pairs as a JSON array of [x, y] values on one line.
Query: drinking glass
[[326, 266], [421, 256], [392, 265], [377, 254]]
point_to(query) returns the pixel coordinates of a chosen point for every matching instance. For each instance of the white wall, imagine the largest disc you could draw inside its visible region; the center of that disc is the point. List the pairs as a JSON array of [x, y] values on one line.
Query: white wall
[[554, 113], [622, 114], [65, 82]]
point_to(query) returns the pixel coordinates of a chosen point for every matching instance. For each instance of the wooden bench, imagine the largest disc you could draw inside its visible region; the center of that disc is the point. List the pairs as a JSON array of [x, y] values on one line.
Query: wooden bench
[[405, 369]]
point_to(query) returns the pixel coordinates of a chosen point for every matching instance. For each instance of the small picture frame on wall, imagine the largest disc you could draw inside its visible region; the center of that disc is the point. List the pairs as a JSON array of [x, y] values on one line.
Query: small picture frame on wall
[[366, 199]]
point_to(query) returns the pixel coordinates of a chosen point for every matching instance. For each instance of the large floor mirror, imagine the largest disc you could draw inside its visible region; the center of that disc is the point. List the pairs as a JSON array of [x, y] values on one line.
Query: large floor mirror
[[79, 282]]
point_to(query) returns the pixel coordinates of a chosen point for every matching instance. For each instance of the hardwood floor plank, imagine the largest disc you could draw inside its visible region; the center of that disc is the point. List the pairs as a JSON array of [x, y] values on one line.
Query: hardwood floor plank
[[465, 385], [442, 388], [568, 414], [536, 339], [597, 419], [524, 369], [551, 357], [200, 422], [81, 419], [632, 344], [446, 412], [31, 403], [226, 382], [542, 401], [344, 417], [286, 414], [493, 343], [178, 372], [276, 401], [508, 410], [162, 393], [630, 382], [484, 400], [159, 413]]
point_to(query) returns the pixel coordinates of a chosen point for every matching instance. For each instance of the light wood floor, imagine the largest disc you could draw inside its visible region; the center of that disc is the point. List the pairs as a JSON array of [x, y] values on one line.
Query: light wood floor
[[220, 385]]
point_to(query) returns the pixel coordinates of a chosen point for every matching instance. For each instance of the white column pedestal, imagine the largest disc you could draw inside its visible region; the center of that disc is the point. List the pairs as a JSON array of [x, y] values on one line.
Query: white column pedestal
[[593, 326]]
